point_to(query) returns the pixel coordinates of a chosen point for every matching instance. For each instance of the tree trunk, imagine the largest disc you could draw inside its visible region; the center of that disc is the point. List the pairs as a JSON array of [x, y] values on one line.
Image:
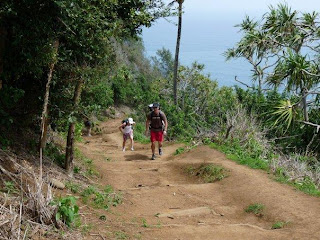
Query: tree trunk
[[44, 116], [70, 138], [3, 35], [305, 104], [176, 59]]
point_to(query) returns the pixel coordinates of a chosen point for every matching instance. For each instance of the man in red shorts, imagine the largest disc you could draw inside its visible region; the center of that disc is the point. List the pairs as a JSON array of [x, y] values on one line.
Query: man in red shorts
[[158, 124]]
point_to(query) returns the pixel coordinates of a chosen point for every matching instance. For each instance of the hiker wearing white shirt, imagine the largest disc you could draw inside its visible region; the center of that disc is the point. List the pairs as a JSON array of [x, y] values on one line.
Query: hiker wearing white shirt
[[127, 130]]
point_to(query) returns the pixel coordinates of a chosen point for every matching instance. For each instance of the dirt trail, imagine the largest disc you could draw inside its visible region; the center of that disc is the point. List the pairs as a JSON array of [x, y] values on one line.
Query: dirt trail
[[161, 202]]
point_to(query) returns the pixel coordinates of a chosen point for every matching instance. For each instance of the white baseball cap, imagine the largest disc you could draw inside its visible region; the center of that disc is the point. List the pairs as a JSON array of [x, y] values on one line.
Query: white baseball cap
[[130, 120]]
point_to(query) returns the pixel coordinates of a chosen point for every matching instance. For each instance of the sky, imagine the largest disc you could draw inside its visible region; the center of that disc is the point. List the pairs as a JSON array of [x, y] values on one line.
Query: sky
[[222, 7]]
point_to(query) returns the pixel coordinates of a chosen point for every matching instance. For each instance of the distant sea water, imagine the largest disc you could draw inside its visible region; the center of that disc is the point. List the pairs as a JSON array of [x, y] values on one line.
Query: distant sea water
[[203, 40]]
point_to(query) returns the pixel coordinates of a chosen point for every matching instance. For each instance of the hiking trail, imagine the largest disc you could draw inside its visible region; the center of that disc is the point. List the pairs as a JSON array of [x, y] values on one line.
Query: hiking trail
[[160, 201]]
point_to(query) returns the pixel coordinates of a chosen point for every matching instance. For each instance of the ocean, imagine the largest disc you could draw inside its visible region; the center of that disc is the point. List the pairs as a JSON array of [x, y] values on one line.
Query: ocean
[[203, 40], [208, 30]]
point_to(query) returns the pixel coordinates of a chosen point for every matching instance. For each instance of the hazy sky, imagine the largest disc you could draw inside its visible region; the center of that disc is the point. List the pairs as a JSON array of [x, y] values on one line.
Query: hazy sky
[[244, 6]]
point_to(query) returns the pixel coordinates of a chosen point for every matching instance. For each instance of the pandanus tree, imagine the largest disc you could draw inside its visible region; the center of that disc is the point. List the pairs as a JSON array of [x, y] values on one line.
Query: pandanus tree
[[283, 48], [297, 37], [255, 47]]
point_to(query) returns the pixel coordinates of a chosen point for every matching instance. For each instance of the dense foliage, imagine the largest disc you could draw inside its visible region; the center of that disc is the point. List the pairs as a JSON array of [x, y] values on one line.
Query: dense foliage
[[87, 34]]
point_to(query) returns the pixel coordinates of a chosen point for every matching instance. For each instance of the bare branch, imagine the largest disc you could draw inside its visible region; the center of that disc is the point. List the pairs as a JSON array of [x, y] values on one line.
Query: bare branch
[[235, 78], [312, 124], [66, 26]]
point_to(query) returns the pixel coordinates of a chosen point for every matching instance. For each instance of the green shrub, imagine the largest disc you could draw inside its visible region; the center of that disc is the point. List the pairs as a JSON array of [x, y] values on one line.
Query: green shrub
[[10, 188], [74, 188], [256, 208], [76, 169], [278, 225], [139, 133], [208, 172], [179, 150], [101, 199], [144, 223], [308, 186], [77, 129], [121, 235], [55, 153], [67, 210]]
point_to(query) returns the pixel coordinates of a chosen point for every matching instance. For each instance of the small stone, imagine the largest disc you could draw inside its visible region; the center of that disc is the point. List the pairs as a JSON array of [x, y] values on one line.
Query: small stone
[[56, 183]]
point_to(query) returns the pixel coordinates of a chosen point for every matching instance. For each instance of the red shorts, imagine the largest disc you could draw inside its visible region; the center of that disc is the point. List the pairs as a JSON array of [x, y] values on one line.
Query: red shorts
[[156, 136]]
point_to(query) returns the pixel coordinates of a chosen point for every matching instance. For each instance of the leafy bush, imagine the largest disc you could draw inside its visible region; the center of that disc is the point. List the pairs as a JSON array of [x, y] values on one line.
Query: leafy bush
[[55, 153], [67, 210], [139, 133], [101, 199], [96, 97]]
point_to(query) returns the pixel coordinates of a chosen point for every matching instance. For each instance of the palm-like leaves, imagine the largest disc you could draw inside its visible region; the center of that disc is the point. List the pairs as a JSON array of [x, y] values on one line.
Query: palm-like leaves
[[280, 20], [297, 70], [276, 42], [285, 112], [254, 46]]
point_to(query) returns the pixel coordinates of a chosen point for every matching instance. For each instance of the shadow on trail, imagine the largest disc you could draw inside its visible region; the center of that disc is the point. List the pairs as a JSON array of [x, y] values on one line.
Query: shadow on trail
[[136, 157]]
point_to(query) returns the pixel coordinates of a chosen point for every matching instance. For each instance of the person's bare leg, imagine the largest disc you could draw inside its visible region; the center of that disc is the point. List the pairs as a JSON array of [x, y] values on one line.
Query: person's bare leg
[[124, 145], [160, 147], [131, 138], [89, 131], [153, 147]]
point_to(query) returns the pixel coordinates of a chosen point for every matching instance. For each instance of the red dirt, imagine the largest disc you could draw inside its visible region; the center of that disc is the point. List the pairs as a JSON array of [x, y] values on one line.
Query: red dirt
[[190, 209]]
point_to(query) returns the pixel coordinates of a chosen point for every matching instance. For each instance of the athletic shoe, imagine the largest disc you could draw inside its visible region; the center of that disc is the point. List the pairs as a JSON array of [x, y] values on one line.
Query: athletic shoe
[[153, 157], [123, 149], [132, 149], [160, 151]]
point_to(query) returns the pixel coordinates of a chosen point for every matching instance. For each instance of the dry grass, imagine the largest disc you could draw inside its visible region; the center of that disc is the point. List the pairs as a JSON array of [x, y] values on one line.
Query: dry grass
[[246, 129], [295, 169], [26, 212]]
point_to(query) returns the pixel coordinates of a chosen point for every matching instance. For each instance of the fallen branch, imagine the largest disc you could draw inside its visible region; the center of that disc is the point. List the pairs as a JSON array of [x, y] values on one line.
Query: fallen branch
[[286, 137], [97, 234]]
